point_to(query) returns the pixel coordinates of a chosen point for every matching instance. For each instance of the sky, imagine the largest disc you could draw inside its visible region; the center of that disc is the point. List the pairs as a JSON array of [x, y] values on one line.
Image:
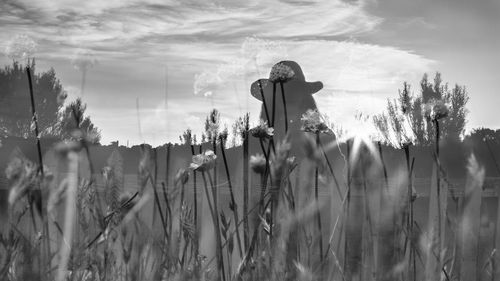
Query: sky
[[157, 67]]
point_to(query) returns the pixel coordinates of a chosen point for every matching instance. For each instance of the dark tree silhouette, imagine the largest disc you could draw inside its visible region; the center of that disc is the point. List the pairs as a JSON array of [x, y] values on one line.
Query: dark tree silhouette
[[187, 137], [479, 135], [15, 106], [54, 119], [212, 126], [404, 119], [73, 117]]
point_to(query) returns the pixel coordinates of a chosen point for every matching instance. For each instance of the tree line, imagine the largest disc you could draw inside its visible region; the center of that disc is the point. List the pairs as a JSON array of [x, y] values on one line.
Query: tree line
[[56, 116]]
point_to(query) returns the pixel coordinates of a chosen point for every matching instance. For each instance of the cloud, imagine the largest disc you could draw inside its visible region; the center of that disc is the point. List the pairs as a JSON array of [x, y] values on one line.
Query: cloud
[[211, 48], [357, 77], [108, 26]]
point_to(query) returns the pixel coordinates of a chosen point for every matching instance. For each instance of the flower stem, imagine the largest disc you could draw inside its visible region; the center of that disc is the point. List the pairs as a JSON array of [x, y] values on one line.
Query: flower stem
[[284, 106], [35, 119], [215, 218], [195, 203], [274, 104], [264, 103], [157, 201], [246, 227], [217, 230], [330, 168], [233, 206], [438, 179], [318, 214]]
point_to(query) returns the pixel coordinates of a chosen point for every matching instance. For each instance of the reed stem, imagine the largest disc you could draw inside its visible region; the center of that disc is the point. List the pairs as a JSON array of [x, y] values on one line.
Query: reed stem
[[318, 211], [233, 206], [284, 106]]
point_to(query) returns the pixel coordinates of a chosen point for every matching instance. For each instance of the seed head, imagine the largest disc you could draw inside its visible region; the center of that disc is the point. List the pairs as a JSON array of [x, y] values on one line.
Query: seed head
[[258, 163], [203, 162]]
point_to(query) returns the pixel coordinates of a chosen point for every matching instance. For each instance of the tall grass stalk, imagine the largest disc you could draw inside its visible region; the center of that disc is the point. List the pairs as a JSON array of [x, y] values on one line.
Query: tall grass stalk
[[195, 206], [330, 168], [284, 106], [318, 211], [496, 236], [274, 104], [215, 175], [167, 163], [468, 267], [40, 162], [215, 218], [35, 119], [65, 248], [253, 242], [347, 251], [153, 181], [410, 215], [264, 103], [369, 256], [387, 226], [245, 135], [233, 206], [438, 183]]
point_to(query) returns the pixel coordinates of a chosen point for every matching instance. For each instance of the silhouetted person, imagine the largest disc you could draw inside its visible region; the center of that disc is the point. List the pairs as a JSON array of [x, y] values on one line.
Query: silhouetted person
[[298, 97]]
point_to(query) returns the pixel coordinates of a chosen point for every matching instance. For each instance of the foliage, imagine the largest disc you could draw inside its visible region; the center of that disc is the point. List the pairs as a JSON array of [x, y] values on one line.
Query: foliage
[[212, 125], [404, 120], [54, 119], [187, 137], [479, 135], [110, 235], [15, 105], [74, 117]]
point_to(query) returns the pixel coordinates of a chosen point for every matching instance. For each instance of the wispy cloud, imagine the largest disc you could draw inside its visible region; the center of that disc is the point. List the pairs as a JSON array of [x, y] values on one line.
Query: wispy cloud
[[216, 48], [147, 25], [357, 77]]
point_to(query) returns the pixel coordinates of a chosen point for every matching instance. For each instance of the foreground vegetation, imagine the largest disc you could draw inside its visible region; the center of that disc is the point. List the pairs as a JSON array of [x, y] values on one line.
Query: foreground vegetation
[[61, 226]]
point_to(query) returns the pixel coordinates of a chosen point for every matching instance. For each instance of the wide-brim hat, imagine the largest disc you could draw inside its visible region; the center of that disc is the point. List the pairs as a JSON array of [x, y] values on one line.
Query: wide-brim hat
[[291, 74]]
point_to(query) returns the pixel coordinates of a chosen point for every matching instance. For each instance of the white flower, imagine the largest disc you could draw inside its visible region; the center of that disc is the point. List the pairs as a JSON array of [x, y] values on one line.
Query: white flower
[[314, 122], [203, 162], [21, 47], [435, 110], [262, 131]]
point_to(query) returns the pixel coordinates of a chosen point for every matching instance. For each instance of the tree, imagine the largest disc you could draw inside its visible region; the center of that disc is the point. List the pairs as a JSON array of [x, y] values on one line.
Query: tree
[[187, 137], [54, 119], [73, 117], [404, 120], [212, 126], [15, 105], [479, 135]]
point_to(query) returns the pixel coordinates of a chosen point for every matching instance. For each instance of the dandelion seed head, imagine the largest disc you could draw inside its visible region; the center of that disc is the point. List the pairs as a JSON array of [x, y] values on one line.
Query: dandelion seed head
[[436, 109], [83, 59], [21, 47], [281, 73]]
